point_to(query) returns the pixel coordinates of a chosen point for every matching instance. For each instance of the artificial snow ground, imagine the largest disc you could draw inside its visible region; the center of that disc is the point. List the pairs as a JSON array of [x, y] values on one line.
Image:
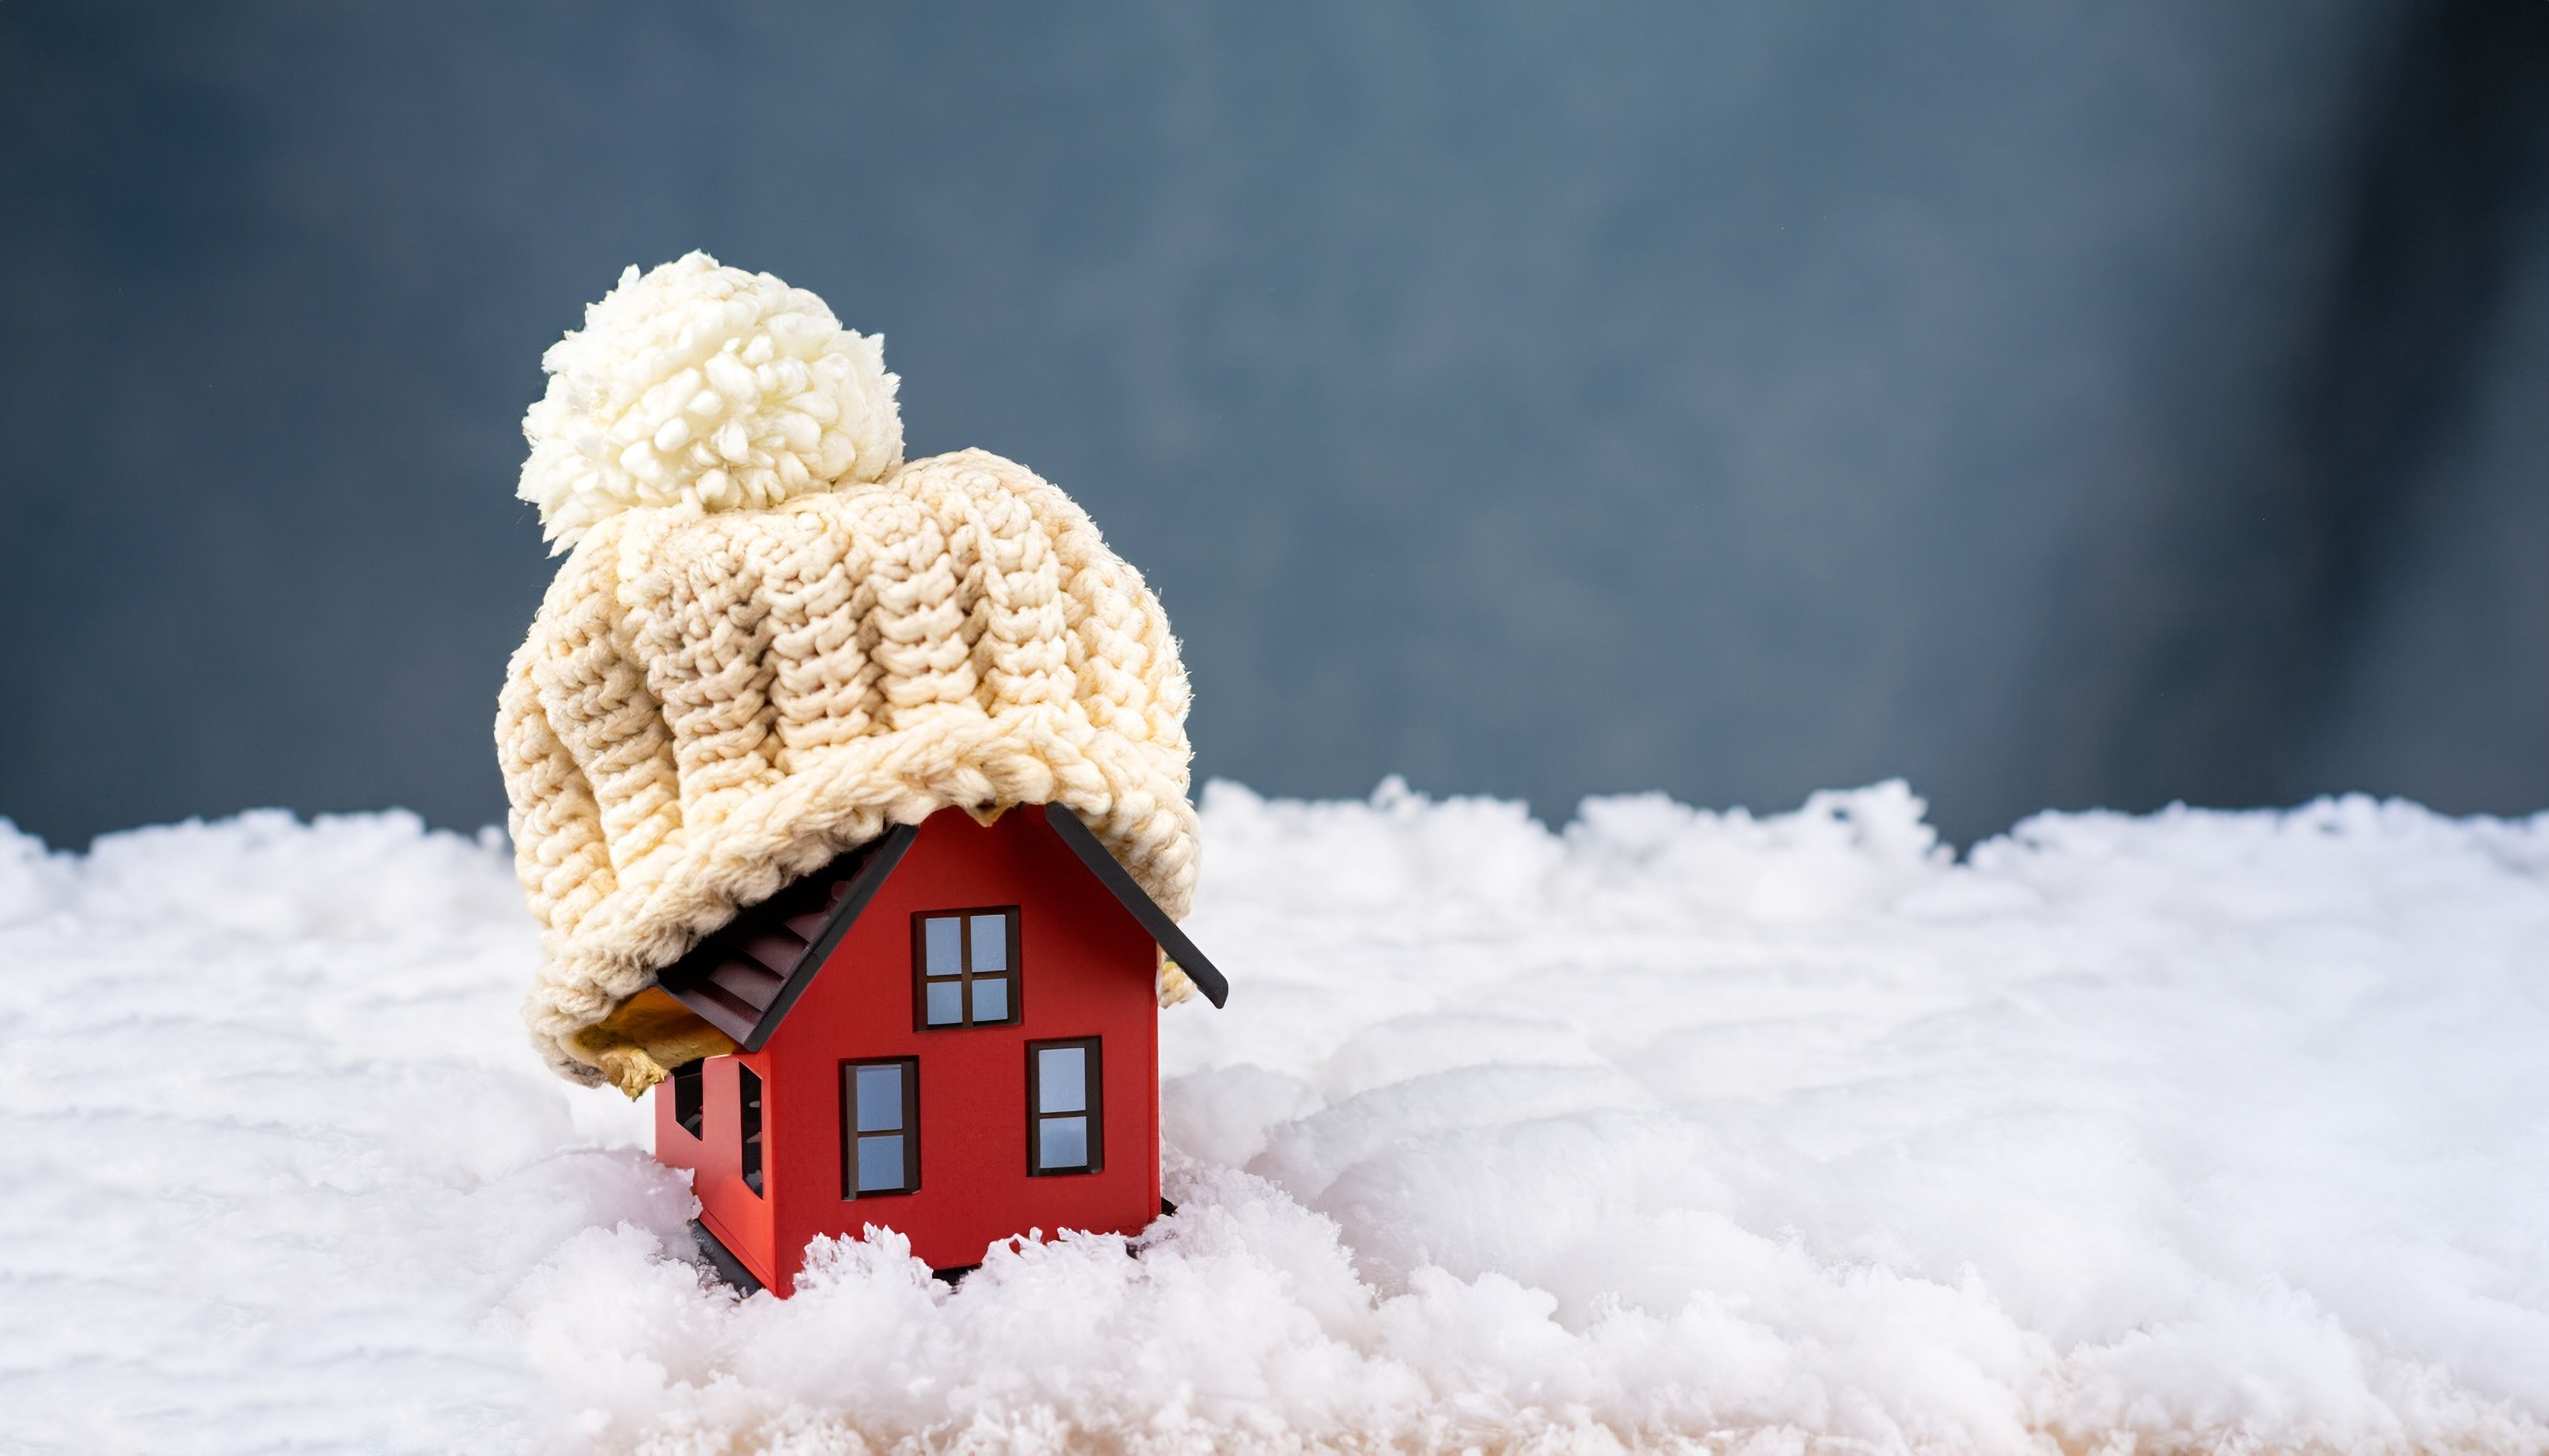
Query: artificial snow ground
[[1670, 1128]]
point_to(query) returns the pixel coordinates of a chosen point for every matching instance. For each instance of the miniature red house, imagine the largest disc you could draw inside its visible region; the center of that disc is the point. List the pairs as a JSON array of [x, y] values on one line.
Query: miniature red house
[[952, 1032]]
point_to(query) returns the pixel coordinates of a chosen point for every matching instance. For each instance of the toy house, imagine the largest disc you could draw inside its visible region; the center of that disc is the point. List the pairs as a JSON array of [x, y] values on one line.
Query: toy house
[[952, 1032]]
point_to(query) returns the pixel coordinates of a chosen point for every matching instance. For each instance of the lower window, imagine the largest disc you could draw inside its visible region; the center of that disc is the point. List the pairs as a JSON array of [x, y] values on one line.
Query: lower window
[[879, 1127], [1065, 1123]]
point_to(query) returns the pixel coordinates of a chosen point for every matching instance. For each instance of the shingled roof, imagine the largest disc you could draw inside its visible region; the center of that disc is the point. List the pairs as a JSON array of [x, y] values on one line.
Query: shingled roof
[[743, 979]]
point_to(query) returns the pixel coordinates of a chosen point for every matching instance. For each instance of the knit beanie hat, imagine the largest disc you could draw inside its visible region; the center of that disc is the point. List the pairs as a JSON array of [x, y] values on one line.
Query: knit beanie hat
[[771, 639]]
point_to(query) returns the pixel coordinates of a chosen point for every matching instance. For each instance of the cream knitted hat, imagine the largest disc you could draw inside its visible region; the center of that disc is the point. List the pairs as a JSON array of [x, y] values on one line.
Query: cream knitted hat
[[773, 639]]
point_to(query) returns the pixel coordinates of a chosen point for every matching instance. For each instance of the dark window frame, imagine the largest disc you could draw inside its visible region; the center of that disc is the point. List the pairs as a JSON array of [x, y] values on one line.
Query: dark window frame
[[908, 1131], [748, 1123], [966, 978], [1094, 1107], [689, 1097]]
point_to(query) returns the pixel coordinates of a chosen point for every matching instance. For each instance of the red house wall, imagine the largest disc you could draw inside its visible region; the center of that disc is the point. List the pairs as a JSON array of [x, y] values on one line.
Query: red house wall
[[740, 1218], [1085, 969]]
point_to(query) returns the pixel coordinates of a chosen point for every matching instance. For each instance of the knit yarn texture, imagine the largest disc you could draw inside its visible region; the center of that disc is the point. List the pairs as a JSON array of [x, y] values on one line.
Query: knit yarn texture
[[720, 695]]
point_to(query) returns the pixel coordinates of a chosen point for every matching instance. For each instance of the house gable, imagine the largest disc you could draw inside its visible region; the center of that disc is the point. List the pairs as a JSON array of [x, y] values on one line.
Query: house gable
[[744, 979], [1118, 880]]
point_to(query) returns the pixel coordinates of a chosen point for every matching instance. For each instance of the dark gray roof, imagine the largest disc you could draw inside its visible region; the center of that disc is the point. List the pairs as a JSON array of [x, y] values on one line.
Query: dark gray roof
[[743, 979]]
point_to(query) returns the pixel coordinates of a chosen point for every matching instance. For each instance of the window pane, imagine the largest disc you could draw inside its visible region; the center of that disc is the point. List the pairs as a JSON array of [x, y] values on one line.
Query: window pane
[[880, 1099], [1061, 1144], [1061, 1080], [992, 1000], [942, 937], [990, 943], [880, 1163], [946, 1003]]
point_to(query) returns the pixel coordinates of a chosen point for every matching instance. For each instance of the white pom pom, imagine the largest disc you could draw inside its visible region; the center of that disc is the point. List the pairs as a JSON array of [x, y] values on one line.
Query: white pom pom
[[705, 386]]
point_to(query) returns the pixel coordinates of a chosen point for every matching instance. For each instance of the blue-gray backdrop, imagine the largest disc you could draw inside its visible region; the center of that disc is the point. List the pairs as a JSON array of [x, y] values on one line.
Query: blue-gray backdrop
[[2053, 403]]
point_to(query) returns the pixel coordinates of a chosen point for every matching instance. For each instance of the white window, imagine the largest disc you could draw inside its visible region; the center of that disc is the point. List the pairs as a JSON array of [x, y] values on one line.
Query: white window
[[1065, 1123], [967, 967], [880, 1128]]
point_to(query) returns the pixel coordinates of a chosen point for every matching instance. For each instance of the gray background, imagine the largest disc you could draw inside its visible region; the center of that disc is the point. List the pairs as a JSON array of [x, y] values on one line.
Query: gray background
[[2059, 404]]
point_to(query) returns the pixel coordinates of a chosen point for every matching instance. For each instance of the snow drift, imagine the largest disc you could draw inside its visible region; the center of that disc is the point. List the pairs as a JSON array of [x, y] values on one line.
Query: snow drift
[[1672, 1129]]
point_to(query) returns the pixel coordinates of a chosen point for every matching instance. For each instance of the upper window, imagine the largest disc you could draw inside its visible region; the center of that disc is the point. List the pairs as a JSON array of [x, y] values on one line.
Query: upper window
[[688, 1103], [968, 961], [1065, 1123], [880, 1128]]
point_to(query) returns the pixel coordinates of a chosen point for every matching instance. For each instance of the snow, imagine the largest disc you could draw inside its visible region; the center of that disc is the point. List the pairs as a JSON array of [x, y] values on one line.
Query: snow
[[1668, 1129]]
